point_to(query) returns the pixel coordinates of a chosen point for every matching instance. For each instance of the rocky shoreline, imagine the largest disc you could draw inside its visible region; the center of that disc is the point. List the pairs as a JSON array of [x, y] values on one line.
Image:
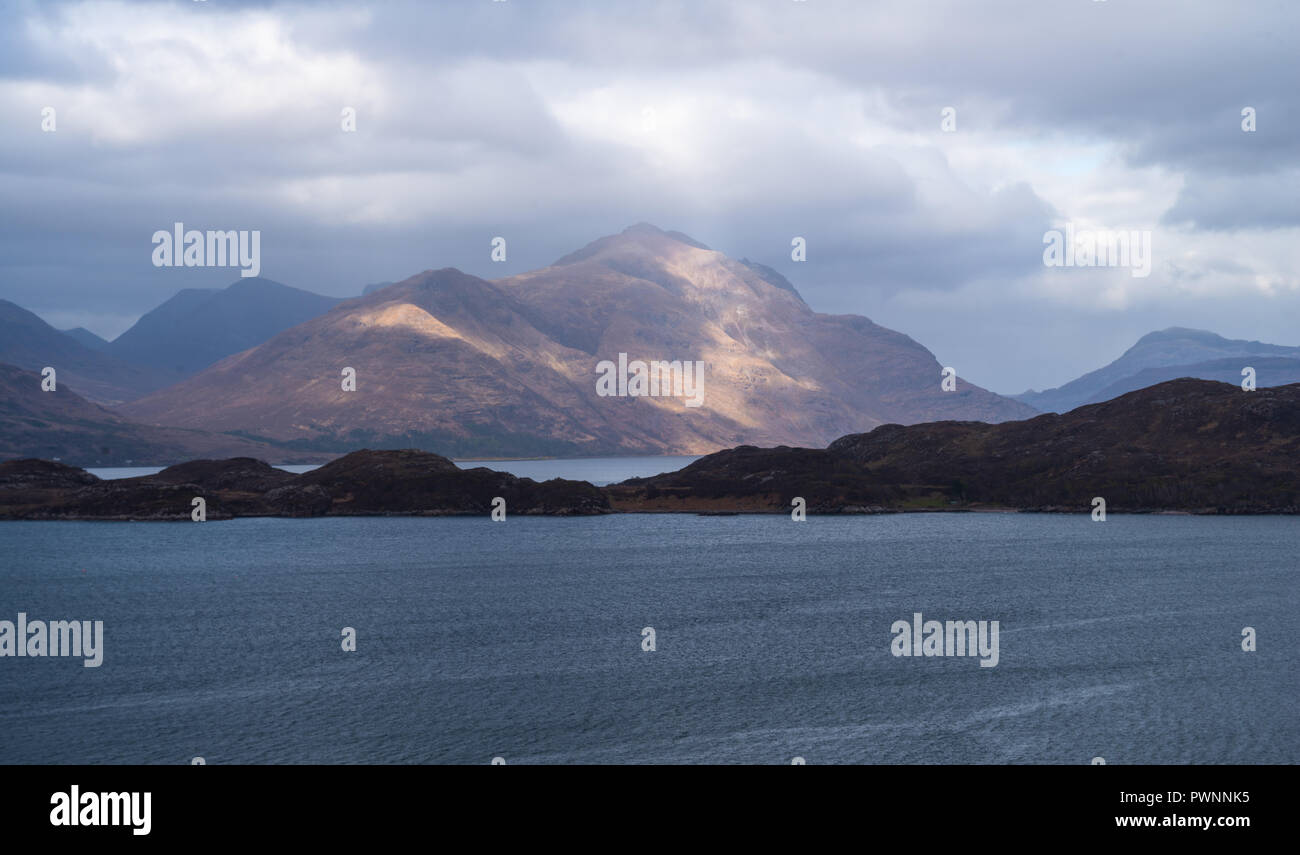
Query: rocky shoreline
[[363, 483]]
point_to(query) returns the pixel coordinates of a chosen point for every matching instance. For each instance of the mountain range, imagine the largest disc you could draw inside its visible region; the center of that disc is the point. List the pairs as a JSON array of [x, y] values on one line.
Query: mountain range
[[87, 338], [448, 361], [29, 343], [198, 327], [1167, 355], [182, 336], [466, 366], [62, 425]]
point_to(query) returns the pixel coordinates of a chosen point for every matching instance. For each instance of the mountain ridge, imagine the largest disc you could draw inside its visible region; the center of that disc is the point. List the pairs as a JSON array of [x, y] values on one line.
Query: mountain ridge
[[63, 425], [1165, 354], [29, 343], [464, 365], [197, 327]]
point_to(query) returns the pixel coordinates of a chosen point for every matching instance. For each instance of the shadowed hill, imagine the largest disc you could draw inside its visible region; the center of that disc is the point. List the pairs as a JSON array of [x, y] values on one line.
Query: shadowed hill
[[198, 327], [29, 343], [63, 425], [1186, 444], [364, 483]]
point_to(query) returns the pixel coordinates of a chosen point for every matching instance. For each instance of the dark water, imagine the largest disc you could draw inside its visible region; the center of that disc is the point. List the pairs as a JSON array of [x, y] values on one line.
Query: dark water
[[522, 640]]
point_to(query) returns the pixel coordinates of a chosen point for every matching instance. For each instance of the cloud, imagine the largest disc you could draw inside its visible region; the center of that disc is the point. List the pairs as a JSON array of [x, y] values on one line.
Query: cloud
[[743, 124]]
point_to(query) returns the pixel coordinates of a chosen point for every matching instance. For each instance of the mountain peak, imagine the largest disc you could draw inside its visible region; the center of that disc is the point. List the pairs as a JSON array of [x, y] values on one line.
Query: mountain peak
[[254, 283], [197, 327], [643, 235], [1168, 354], [1181, 333], [644, 228], [441, 277]]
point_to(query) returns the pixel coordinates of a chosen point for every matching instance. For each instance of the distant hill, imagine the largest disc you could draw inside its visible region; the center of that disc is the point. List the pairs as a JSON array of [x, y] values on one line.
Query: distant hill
[[1189, 445], [30, 343], [372, 288], [1168, 354], [463, 366], [1269, 371], [87, 338], [198, 327], [62, 425]]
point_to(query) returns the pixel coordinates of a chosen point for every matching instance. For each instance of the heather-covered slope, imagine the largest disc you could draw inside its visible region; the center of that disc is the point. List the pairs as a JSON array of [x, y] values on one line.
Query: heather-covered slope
[[1189, 445]]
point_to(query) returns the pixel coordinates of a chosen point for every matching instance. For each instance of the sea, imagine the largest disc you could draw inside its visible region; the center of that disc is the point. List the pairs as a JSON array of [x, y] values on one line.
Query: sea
[[657, 638]]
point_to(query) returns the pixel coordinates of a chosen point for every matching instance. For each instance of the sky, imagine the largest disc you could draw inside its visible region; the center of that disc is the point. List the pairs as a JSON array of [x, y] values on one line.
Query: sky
[[922, 150]]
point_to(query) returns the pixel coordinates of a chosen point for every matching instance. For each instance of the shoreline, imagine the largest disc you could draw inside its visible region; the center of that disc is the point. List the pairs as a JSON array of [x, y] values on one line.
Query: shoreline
[[431, 514]]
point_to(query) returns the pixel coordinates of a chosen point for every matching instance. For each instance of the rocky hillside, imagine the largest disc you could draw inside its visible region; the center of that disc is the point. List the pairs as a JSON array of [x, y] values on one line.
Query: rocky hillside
[[465, 366], [1189, 445]]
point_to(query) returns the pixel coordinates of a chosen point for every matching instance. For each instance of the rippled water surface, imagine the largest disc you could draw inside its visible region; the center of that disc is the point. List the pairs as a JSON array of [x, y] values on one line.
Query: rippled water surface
[[523, 640]]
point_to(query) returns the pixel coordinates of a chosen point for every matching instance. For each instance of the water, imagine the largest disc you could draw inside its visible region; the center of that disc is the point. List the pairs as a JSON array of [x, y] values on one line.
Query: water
[[596, 470], [523, 640], [113, 473]]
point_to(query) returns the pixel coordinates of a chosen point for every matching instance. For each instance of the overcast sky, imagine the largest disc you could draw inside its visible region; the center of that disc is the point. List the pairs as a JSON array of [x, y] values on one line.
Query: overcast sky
[[743, 124]]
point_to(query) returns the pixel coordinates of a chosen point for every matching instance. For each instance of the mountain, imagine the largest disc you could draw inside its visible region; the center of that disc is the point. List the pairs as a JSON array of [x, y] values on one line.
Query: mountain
[[1190, 445], [87, 338], [28, 342], [373, 287], [1269, 371], [1165, 355], [63, 425], [465, 366], [198, 327]]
